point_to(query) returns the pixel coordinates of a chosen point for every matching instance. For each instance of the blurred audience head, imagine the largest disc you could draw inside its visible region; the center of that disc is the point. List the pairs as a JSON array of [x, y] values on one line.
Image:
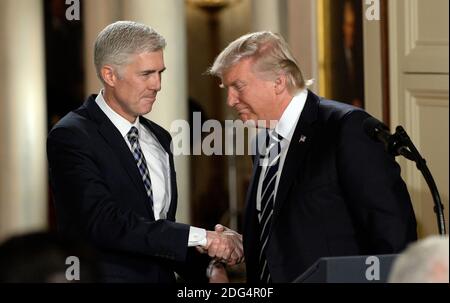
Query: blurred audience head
[[425, 261], [42, 257]]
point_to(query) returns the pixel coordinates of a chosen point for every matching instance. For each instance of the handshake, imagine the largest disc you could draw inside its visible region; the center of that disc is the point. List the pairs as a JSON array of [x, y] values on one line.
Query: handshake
[[224, 245]]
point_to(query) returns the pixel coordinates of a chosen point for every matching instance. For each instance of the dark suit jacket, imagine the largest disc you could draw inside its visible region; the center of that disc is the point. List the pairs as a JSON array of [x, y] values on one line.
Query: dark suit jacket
[[100, 197], [339, 194]]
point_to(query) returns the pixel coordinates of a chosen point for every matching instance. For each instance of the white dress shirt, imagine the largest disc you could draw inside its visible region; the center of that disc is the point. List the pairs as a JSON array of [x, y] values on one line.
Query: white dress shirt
[[285, 127], [157, 163]]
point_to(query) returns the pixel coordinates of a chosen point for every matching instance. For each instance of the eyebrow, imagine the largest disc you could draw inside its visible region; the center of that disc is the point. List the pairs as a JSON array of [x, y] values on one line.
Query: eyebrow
[[151, 71], [234, 83]]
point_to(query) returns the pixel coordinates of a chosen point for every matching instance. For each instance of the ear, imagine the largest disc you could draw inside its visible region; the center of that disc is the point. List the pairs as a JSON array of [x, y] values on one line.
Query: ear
[[280, 84], [108, 75]]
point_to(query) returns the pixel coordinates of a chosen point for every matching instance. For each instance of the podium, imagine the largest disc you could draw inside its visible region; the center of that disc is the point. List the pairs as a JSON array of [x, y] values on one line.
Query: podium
[[349, 269]]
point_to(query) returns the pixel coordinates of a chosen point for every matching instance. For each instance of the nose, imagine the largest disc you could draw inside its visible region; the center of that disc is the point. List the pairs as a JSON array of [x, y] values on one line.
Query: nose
[[232, 98], [154, 82]]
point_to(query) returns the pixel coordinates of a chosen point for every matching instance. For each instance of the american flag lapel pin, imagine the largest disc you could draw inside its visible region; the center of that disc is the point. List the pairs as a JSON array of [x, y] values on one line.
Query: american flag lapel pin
[[302, 139]]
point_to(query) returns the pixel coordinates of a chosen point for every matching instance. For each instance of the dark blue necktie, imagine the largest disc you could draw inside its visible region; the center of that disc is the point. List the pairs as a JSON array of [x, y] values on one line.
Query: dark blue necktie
[[133, 138]]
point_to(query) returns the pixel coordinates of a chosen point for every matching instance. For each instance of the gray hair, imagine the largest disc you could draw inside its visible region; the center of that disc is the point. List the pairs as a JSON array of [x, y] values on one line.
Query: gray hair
[[271, 56], [424, 261], [117, 42]]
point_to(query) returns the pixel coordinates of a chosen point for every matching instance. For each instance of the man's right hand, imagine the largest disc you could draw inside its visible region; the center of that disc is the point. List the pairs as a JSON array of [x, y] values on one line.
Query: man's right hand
[[224, 244]]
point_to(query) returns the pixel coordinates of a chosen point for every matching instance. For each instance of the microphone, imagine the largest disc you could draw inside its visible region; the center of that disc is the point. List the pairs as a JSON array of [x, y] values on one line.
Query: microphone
[[399, 143], [393, 143]]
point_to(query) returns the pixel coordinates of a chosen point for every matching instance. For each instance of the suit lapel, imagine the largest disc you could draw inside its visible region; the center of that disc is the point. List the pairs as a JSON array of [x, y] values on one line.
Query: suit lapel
[[300, 143], [118, 146]]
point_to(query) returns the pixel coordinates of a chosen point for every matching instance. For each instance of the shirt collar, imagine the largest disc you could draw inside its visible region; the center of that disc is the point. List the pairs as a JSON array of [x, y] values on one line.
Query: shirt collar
[[289, 118], [122, 124]]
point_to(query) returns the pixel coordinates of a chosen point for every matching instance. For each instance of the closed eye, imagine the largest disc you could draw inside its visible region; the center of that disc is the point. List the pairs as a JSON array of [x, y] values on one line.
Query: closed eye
[[149, 72], [239, 87]]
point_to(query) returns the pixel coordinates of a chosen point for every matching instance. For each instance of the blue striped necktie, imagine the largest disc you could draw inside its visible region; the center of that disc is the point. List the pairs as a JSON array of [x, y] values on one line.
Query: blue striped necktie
[[133, 138], [270, 159]]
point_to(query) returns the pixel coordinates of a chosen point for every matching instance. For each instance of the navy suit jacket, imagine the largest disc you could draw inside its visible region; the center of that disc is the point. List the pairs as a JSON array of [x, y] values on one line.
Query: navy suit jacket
[[339, 194], [100, 197]]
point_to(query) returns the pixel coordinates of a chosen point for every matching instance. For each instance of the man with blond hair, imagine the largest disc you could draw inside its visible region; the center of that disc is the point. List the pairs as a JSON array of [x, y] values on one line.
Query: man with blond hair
[[321, 187]]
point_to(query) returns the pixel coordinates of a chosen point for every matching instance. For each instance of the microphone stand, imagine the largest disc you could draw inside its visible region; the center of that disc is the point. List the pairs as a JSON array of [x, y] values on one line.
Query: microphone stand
[[401, 144]]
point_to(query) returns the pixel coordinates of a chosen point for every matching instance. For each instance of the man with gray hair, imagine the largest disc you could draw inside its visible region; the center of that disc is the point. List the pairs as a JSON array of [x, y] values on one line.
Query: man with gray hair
[[112, 170], [322, 187], [424, 261]]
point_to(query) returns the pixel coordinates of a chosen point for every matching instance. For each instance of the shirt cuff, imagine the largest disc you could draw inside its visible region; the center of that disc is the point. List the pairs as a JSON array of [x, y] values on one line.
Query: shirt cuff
[[197, 237]]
